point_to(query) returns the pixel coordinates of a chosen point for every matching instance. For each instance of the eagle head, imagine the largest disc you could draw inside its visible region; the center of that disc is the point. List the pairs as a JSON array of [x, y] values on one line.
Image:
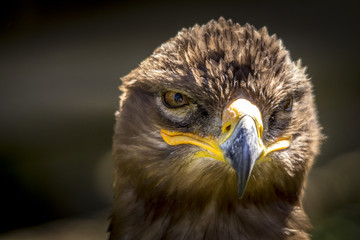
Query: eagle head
[[217, 116]]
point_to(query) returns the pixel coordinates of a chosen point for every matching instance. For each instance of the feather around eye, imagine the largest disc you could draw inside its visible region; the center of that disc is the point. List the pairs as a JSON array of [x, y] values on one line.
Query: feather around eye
[[174, 100]]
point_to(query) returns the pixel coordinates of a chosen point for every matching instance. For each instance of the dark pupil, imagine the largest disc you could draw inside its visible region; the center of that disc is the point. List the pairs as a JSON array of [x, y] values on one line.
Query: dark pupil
[[288, 105], [178, 98]]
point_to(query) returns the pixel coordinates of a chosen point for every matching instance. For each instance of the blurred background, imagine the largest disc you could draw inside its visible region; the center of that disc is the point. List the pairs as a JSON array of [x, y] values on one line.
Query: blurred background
[[60, 65]]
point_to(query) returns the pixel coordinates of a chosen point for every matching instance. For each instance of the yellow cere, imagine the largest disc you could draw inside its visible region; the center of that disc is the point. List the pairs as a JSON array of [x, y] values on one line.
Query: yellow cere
[[239, 108]]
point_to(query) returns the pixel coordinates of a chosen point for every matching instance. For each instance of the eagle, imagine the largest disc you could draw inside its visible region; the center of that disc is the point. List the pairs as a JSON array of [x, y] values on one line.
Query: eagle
[[215, 134]]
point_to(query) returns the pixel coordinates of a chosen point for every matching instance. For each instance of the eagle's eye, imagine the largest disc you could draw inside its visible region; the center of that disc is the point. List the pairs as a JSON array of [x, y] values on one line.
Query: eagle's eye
[[175, 100], [288, 104]]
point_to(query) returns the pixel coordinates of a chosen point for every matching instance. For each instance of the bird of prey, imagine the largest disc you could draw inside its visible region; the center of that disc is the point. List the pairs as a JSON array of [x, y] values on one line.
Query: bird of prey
[[215, 135]]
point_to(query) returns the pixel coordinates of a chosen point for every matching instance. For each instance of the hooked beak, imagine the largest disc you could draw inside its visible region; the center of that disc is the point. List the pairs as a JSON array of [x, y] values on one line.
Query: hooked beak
[[240, 143]]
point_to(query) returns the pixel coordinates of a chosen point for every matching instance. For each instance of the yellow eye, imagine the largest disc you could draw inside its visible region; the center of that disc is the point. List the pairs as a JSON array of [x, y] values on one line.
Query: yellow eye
[[175, 100], [288, 104]]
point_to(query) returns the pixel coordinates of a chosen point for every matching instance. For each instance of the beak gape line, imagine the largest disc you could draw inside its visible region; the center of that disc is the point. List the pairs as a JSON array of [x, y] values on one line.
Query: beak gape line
[[240, 144]]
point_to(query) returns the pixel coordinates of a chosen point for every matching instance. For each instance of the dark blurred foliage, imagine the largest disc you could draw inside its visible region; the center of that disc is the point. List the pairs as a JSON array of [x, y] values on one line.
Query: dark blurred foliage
[[60, 64]]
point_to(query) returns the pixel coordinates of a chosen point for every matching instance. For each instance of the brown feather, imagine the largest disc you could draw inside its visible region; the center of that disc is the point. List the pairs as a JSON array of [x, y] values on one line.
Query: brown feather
[[161, 192]]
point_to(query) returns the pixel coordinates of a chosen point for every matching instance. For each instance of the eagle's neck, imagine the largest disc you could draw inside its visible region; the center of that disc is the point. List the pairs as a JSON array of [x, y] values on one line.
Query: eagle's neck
[[139, 216]]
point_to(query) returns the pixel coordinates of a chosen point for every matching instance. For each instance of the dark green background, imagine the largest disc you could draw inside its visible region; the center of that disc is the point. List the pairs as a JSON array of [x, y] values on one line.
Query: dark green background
[[60, 64]]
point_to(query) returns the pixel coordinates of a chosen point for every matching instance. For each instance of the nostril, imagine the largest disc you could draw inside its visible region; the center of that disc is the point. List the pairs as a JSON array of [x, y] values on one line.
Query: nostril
[[228, 128]]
